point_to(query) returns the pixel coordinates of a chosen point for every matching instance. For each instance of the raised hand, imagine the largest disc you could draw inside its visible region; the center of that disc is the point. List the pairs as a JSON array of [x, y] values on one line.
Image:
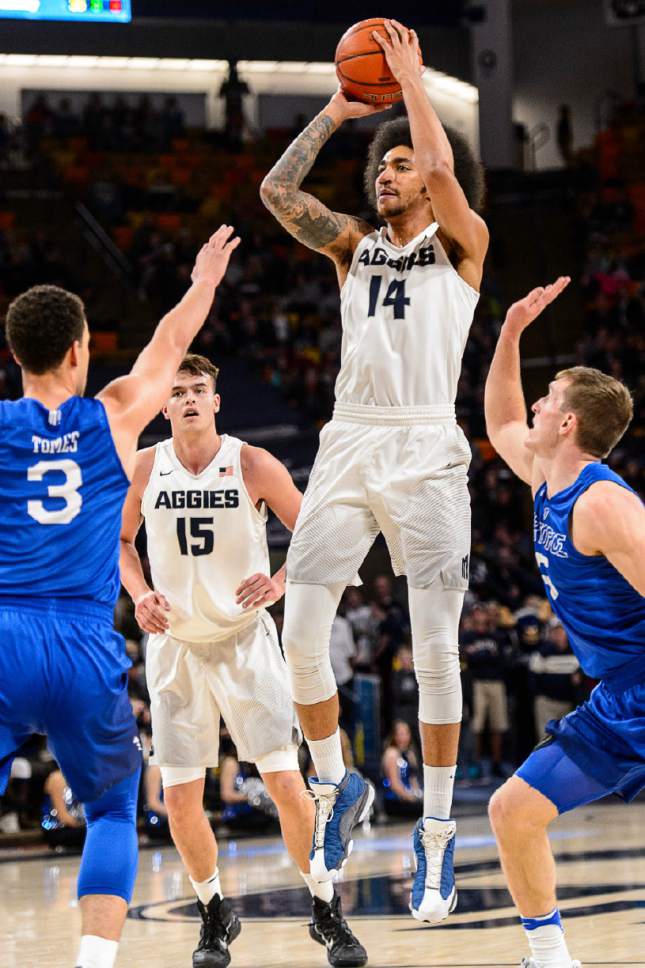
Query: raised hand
[[522, 313], [259, 591], [401, 49], [347, 109], [151, 612], [212, 259]]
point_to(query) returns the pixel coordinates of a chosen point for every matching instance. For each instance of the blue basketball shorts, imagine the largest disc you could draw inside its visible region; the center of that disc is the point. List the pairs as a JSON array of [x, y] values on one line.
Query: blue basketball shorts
[[64, 672], [602, 740]]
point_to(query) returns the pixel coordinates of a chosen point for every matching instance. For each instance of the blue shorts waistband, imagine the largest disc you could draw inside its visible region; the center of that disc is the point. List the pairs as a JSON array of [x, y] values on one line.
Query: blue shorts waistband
[[70, 608], [630, 674]]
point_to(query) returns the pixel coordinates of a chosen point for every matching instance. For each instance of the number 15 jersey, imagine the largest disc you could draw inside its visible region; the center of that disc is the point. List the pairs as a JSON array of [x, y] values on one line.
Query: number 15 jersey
[[62, 488], [406, 314], [204, 538]]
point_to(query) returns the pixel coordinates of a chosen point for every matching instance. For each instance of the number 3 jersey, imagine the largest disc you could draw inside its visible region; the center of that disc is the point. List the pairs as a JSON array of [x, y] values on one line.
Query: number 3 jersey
[[205, 536], [406, 314], [62, 488], [603, 615]]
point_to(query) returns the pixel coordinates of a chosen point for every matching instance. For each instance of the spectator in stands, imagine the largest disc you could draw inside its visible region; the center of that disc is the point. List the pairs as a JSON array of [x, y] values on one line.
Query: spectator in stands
[[402, 793], [554, 676], [393, 630], [342, 653], [483, 650], [234, 90], [63, 819], [246, 806], [564, 134], [359, 615], [154, 809], [405, 690]]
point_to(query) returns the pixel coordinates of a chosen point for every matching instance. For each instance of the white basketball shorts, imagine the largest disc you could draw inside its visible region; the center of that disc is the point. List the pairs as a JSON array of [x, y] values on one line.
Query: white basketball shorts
[[242, 679], [396, 470]]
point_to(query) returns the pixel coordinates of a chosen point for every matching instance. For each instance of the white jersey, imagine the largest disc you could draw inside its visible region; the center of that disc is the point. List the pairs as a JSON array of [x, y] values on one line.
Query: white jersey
[[406, 313], [204, 537]]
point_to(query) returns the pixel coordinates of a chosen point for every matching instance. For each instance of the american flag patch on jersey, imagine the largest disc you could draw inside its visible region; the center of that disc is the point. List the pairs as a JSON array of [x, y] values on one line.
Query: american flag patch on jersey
[[225, 471]]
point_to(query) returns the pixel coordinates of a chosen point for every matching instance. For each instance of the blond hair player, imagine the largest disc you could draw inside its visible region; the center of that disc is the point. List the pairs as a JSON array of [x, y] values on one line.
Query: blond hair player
[[213, 649]]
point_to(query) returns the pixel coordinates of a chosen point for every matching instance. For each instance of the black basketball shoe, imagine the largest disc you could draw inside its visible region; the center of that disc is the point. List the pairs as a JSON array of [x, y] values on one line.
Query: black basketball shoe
[[220, 927], [329, 927]]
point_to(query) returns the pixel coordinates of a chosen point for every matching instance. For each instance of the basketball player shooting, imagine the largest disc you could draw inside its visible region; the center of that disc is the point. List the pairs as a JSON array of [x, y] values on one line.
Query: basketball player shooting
[[393, 458], [213, 649], [589, 530], [63, 669]]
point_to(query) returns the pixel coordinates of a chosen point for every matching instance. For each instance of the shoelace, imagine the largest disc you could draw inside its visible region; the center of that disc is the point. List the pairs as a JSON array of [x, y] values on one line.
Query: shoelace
[[434, 845], [337, 927], [324, 812], [214, 928]]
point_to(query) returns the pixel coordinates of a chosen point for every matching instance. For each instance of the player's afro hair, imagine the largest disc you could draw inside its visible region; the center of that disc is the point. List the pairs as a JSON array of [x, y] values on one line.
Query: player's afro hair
[[468, 170], [42, 324]]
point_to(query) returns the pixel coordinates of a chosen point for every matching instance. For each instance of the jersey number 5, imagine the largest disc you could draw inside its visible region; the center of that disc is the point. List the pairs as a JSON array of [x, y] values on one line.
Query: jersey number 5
[[68, 491], [202, 530], [543, 561], [395, 296]]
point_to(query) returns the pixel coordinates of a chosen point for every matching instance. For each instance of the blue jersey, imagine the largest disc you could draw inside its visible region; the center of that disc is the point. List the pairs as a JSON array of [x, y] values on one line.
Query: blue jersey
[[603, 615], [62, 488]]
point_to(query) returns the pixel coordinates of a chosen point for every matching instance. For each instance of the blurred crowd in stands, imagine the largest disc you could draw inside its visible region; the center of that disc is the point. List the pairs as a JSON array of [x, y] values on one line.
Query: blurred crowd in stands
[[157, 188]]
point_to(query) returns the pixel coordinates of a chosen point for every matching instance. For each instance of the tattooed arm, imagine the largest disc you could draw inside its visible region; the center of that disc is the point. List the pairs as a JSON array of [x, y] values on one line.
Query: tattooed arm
[[307, 219]]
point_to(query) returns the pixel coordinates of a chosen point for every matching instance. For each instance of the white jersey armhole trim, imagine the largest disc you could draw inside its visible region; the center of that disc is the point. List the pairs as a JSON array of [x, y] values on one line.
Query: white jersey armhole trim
[[262, 512], [469, 288], [155, 462], [355, 256]]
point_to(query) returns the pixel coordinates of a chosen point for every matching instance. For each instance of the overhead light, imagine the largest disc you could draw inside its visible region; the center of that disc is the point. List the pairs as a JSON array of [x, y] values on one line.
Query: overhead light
[[434, 80]]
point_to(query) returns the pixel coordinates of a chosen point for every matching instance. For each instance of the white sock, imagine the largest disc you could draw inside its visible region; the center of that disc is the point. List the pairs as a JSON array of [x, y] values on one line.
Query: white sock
[[206, 890], [96, 952], [325, 890], [546, 941], [327, 755], [438, 783]]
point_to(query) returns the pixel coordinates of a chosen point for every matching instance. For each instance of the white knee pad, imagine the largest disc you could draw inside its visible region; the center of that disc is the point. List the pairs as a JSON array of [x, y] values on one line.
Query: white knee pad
[[434, 617], [279, 761], [309, 611], [176, 775]]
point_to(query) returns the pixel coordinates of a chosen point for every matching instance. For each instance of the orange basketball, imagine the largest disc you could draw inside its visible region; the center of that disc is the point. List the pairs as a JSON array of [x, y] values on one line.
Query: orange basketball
[[361, 66]]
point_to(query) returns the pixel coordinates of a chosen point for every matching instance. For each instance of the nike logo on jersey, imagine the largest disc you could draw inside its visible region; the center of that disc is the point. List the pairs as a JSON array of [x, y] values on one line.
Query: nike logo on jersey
[[164, 473]]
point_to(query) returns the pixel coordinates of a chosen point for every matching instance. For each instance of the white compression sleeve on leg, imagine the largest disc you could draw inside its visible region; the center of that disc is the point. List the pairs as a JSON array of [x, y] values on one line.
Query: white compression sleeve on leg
[[434, 617], [309, 611]]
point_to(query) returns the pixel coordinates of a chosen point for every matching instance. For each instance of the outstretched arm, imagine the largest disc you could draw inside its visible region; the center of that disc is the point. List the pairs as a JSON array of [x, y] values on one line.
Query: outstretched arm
[[506, 418], [132, 401], [302, 215], [433, 156]]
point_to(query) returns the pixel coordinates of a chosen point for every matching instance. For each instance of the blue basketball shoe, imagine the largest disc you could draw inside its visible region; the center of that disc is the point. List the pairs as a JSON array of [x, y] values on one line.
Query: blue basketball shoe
[[434, 895], [339, 807]]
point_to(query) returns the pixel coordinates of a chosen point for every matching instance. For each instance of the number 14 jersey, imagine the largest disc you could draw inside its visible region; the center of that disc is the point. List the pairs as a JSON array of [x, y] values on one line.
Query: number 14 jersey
[[62, 488], [204, 537], [406, 314]]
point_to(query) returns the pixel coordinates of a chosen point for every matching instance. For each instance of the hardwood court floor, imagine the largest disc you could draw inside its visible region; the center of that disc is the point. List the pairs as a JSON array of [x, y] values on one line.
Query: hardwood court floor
[[601, 885]]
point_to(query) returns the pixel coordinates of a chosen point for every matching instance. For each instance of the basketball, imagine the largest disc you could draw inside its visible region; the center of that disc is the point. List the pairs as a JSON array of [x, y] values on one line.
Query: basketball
[[361, 66]]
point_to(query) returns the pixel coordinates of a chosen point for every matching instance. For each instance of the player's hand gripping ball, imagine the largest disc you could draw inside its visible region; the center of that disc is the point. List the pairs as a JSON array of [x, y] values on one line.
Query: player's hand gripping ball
[[362, 62]]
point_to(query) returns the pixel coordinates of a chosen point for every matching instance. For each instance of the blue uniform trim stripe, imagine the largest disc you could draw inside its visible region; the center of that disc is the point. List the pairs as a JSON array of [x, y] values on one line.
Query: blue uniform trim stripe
[[69, 608], [530, 924]]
